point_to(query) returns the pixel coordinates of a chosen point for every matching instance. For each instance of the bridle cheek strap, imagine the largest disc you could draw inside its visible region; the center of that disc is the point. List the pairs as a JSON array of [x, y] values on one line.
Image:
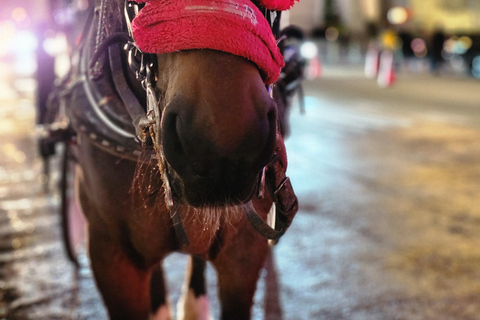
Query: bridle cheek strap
[[234, 26], [282, 194]]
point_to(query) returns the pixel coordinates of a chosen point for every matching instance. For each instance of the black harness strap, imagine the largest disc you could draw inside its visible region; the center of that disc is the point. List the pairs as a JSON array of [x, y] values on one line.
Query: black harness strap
[[284, 198], [134, 108], [260, 225], [180, 234]]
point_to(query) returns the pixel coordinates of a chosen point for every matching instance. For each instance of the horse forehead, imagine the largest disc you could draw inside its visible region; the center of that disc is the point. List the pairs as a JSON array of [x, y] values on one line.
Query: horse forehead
[[212, 79], [213, 64]]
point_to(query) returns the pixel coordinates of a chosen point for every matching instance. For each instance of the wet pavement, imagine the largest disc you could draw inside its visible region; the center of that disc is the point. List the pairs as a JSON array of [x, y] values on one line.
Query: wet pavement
[[388, 228]]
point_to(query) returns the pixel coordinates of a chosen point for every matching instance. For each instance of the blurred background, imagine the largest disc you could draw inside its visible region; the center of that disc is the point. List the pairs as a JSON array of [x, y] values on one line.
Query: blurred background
[[384, 154]]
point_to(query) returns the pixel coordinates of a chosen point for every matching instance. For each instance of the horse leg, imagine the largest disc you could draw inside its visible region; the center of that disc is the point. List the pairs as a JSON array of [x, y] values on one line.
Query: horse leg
[[194, 303], [273, 308], [160, 307], [123, 285], [238, 271]]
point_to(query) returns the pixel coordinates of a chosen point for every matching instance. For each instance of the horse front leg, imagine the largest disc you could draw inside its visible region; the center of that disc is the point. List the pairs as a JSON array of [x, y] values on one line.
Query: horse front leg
[[123, 285], [238, 269], [194, 304], [160, 306]]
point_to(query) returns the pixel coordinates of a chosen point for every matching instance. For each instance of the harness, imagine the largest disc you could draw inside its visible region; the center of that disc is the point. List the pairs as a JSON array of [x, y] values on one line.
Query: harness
[[116, 107]]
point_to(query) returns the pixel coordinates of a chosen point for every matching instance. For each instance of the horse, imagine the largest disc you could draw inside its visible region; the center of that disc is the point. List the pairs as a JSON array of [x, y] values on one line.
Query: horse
[[195, 169]]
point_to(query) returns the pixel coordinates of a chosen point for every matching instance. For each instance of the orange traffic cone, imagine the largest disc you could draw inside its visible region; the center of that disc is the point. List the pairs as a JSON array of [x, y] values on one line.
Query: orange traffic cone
[[386, 73], [372, 61]]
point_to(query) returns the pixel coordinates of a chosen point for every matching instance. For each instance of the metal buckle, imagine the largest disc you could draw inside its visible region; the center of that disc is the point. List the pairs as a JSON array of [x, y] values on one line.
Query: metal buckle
[[135, 59], [131, 11], [141, 64]]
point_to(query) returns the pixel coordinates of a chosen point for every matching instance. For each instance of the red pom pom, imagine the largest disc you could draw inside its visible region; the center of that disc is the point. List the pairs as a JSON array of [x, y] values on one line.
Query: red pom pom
[[278, 5]]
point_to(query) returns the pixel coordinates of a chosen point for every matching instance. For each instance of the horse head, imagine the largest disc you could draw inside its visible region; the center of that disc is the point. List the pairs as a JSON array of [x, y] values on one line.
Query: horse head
[[218, 126], [218, 123]]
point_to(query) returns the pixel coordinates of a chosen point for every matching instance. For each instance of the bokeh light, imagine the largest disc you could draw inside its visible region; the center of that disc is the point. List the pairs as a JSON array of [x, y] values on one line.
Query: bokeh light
[[476, 67], [25, 42], [23, 46], [419, 47], [449, 45], [7, 34], [55, 45], [464, 43], [19, 14], [458, 45], [390, 40], [397, 15], [309, 50], [331, 34]]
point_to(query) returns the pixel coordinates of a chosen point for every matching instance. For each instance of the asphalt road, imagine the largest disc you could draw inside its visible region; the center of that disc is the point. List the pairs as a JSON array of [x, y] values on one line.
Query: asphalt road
[[389, 222], [388, 179]]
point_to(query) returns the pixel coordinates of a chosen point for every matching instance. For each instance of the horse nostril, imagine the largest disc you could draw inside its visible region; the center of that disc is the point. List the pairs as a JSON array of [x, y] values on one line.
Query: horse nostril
[[181, 143], [173, 145], [201, 170]]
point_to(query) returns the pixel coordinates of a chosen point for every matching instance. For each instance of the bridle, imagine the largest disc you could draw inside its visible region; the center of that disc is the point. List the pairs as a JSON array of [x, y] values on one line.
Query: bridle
[[272, 176], [146, 120]]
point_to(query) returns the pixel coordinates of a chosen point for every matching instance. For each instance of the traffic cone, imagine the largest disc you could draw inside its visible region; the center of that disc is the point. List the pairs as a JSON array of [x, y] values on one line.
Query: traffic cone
[[314, 69], [372, 61], [386, 73]]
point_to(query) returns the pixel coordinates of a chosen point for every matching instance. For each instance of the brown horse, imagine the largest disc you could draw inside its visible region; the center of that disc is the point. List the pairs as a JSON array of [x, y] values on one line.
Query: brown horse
[[223, 132], [218, 131]]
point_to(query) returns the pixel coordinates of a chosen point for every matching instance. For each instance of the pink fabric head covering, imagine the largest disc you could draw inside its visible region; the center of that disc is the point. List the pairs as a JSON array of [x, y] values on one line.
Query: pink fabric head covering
[[234, 26]]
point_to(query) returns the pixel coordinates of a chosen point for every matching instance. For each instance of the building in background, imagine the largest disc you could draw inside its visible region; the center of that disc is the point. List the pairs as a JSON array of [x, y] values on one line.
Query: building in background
[[456, 16]]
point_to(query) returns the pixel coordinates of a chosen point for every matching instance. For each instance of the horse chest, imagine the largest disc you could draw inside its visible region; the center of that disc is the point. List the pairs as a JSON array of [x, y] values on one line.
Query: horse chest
[[152, 233]]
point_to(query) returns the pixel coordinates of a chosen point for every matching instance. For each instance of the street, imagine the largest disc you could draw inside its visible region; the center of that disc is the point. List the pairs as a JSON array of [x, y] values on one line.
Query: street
[[389, 220], [388, 179]]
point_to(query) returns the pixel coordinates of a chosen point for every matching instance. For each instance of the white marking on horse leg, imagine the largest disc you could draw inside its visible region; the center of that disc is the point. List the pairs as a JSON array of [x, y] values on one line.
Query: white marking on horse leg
[[190, 307], [163, 313]]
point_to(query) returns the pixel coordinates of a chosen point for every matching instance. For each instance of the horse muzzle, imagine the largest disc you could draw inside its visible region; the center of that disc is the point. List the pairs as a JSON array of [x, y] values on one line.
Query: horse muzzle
[[213, 164], [217, 189]]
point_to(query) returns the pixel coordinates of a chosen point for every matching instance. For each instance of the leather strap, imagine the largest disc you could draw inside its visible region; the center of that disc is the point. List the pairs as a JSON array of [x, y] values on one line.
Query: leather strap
[[130, 100], [282, 192], [259, 224], [180, 233], [286, 203]]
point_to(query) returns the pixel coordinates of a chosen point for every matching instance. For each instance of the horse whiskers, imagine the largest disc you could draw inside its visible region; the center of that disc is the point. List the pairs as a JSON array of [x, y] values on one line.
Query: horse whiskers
[[210, 219], [147, 185], [147, 191]]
